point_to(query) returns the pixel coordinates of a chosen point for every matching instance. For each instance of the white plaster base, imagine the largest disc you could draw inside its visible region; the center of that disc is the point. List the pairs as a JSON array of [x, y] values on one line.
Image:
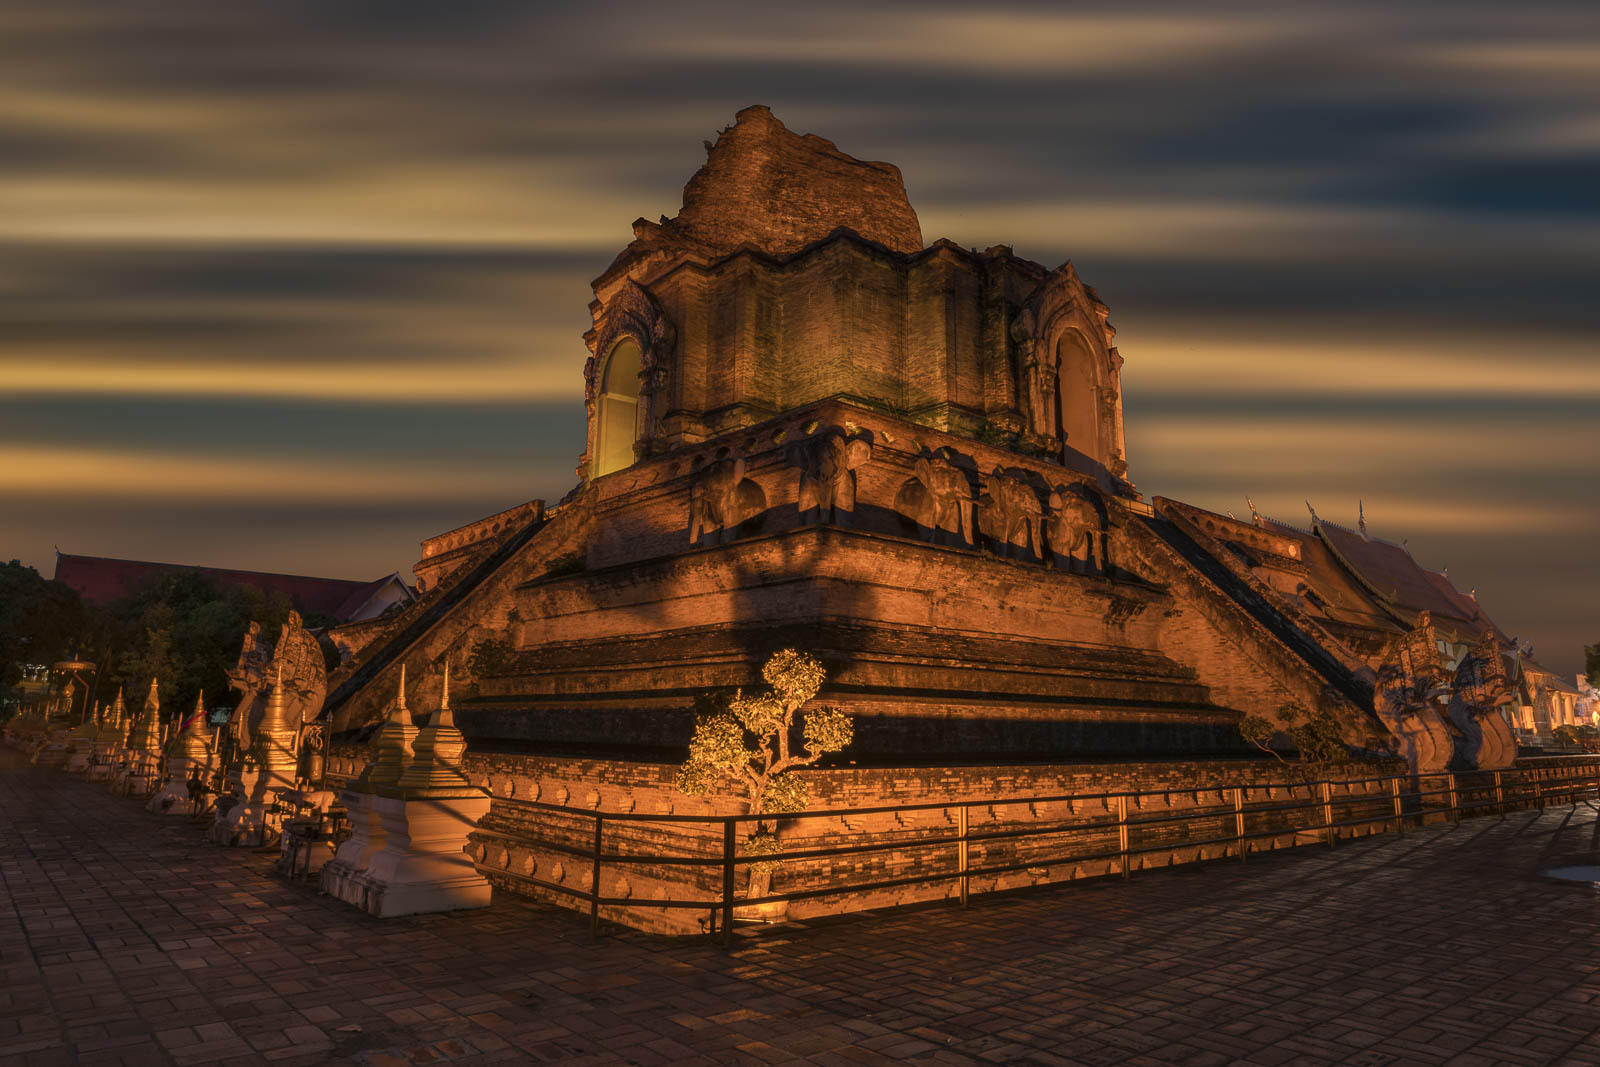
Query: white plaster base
[[422, 865], [356, 853]]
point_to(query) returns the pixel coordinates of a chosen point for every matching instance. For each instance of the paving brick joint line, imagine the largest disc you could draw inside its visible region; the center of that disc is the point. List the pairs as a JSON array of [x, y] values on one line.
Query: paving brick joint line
[[125, 939]]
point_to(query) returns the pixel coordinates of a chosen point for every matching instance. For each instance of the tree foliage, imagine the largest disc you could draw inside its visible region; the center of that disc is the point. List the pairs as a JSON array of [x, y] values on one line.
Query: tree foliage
[[40, 621], [178, 628], [1316, 735], [744, 746], [1591, 663]]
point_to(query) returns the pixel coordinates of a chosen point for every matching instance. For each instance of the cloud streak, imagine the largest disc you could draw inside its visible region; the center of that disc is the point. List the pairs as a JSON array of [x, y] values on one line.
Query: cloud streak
[[1333, 238]]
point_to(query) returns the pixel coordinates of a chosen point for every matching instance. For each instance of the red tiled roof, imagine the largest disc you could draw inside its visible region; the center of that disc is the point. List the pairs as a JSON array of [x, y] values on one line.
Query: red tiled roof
[[99, 580], [1389, 570]]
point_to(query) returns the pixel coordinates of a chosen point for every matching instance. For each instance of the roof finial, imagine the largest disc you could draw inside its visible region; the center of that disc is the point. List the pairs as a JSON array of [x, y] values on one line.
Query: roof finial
[[1314, 519], [1361, 518], [1255, 516]]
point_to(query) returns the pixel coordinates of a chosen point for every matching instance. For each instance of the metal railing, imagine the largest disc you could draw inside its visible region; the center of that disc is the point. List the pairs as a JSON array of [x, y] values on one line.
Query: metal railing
[[1232, 826]]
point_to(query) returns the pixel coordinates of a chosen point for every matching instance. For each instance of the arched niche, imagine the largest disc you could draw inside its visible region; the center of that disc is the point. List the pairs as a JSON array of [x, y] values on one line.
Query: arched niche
[[617, 407], [1078, 404]]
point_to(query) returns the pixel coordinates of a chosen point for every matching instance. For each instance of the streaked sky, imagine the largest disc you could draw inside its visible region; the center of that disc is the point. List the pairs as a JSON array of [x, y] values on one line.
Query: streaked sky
[[291, 286]]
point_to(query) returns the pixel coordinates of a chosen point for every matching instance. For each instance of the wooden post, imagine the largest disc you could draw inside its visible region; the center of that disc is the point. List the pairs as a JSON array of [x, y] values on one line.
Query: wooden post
[[1122, 833], [1327, 811], [1499, 795], [1399, 810], [729, 844], [594, 881], [1238, 823], [961, 851], [1450, 795], [1538, 790]]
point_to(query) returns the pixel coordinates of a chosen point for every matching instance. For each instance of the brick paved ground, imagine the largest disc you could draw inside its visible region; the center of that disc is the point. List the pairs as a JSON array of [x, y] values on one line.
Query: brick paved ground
[[125, 939]]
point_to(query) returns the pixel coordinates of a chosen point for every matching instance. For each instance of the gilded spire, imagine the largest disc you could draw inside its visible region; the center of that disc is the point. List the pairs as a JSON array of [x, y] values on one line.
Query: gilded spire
[[192, 742], [145, 734], [1255, 516], [275, 737], [394, 741], [111, 722], [438, 750], [1361, 518]]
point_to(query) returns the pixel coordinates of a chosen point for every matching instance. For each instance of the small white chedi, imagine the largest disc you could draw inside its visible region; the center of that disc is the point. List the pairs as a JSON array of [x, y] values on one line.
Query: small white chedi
[[410, 812]]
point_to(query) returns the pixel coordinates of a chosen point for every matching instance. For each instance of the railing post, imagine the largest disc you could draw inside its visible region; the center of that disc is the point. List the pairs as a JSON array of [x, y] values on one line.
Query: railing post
[[961, 851], [1238, 822], [1122, 832], [1450, 795], [594, 880], [729, 844], [1399, 810], [1538, 790], [1499, 795], [1327, 811]]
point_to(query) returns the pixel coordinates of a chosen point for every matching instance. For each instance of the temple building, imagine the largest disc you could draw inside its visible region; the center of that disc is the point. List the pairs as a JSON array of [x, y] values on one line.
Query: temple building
[[100, 580], [810, 428]]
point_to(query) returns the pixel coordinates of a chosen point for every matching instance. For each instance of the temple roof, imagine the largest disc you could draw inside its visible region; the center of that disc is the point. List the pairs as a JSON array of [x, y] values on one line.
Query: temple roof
[[100, 580], [1390, 571], [767, 187]]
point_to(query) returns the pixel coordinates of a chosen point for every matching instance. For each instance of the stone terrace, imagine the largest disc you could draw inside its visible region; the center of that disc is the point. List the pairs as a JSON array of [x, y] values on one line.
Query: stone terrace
[[125, 939]]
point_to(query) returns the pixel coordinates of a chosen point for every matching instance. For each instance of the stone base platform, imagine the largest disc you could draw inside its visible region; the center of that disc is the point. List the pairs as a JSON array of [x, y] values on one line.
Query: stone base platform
[[515, 845]]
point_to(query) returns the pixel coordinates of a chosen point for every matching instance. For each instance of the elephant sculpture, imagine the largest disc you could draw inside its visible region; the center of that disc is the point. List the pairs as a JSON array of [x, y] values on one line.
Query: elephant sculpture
[[1480, 690], [828, 475], [938, 497], [1071, 525], [722, 498], [1013, 512]]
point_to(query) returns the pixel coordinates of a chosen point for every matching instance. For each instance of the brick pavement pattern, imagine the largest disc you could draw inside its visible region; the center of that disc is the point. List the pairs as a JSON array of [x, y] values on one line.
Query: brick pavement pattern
[[126, 939]]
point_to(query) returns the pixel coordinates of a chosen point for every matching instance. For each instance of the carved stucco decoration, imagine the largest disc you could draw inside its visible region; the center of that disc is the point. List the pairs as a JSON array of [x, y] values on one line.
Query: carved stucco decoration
[[1405, 697], [1011, 515], [937, 497], [828, 463], [633, 313], [248, 675], [1062, 308], [721, 499], [1076, 528], [1480, 689], [304, 673]]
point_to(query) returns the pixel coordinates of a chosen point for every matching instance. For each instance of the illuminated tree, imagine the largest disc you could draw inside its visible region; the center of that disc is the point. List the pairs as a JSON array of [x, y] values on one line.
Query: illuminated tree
[[1316, 735], [744, 748]]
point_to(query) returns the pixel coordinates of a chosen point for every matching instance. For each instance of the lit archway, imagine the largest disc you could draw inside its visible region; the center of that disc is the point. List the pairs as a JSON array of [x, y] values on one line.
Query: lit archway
[[1078, 397], [617, 414]]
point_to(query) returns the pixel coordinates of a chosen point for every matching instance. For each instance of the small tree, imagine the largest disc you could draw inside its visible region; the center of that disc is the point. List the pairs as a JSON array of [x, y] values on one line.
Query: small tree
[[743, 748], [1316, 734]]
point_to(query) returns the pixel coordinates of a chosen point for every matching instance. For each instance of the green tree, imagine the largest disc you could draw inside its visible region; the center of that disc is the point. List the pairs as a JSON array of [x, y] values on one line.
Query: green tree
[[40, 621], [1591, 663], [743, 747], [1316, 735], [180, 629]]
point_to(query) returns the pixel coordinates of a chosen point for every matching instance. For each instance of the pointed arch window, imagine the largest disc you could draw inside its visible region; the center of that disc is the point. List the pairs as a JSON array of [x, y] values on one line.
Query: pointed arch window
[[1078, 397], [617, 415]]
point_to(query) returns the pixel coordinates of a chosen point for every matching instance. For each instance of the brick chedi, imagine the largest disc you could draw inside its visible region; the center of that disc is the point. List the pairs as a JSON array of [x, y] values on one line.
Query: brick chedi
[[809, 429]]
